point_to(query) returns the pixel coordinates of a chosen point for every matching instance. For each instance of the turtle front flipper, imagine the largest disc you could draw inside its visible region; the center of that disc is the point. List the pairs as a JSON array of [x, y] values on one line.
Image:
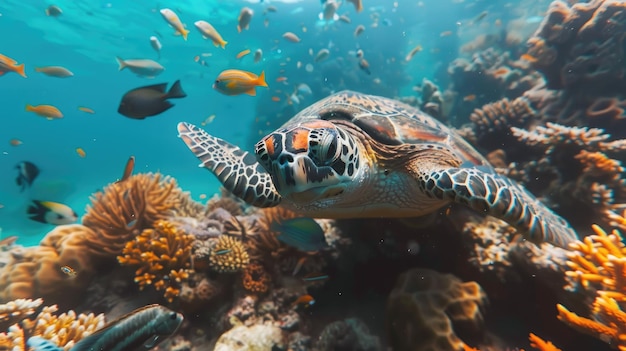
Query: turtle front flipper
[[500, 197], [238, 170]]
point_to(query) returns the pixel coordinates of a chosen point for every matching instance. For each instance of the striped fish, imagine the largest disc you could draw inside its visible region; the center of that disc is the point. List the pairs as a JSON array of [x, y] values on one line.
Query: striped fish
[[141, 329]]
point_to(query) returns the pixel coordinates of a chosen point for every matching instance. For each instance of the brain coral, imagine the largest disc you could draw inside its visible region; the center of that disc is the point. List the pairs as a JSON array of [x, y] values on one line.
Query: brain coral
[[163, 255], [228, 255], [422, 306], [126, 208]]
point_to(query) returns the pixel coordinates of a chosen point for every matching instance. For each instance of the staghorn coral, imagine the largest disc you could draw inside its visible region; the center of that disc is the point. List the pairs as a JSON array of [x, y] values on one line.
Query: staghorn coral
[[423, 305], [228, 255], [540, 344], [64, 330], [122, 210], [255, 279], [163, 255], [597, 268]]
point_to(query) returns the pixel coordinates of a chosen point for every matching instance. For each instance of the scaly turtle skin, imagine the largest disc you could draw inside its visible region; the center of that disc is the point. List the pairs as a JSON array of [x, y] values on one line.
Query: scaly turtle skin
[[352, 155]]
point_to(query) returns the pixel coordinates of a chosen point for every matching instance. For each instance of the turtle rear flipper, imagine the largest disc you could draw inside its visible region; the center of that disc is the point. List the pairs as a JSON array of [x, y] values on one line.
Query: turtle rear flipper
[[499, 197], [238, 170]]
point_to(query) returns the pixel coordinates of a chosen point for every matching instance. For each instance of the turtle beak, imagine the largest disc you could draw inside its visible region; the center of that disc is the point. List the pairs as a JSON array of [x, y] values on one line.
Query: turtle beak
[[316, 194]]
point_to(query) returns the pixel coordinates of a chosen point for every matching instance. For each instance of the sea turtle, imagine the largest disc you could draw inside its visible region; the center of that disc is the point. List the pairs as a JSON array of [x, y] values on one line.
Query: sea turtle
[[353, 155]]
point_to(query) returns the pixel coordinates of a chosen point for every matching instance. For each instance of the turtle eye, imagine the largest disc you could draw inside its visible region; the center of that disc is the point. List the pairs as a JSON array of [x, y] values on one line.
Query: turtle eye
[[323, 147]]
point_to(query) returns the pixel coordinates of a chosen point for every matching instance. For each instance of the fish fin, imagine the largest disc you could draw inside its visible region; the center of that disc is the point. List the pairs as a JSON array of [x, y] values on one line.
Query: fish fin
[[47, 12], [250, 92], [238, 28], [20, 70], [185, 33], [151, 342], [161, 88], [37, 212], [261, 80], [37, 343], [121, 62], [86, 343], [176, 91]]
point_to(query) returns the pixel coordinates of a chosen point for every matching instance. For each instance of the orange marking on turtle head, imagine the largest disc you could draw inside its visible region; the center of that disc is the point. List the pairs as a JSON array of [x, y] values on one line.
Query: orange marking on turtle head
[[300, 139], [269, 145], [317, 123]]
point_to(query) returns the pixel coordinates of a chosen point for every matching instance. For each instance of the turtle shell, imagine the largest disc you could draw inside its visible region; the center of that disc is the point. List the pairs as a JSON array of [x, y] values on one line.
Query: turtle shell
[[389, 122]]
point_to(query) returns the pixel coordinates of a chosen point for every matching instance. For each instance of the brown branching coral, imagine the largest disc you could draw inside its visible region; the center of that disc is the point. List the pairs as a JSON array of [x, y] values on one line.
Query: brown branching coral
[[422, 306], [163, 255], [228, 255], [597, 267], [64, 330], [124, 209]]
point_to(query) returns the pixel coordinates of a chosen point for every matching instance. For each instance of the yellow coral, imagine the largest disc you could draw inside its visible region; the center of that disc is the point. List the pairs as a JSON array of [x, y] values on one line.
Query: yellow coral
[[123, 209], [598, 265], [228, 255], [163, 255], [255, 278], [64, 330]]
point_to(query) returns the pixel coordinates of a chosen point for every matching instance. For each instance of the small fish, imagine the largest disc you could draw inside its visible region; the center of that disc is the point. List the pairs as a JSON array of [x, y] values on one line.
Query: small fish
[[86, 109], [345, 19], [501, 71], [8, 64], [480, 17], [156, 45], [364, 66], [209, 32], [275, 98], [313, 277], [359, 30], [329, 11], [26, 174], [359, 53], [37, 343], [243, 22], [529, 58], [469, 98], [151, 100], [81, 152], [304, 88], [304, 301], [55, 71], [67, 270], [321, 55], [143, 328], [281, 79], [271, 9], [358, 5], [302, 233], [243, 53], [446, 33], [291, 37], [51, 213], [235, 82], [48, 111], [412, 53], [141, 67], [258, 55], [207, 120], [15, 142], [53, 11], [223, 252], [172, 18]]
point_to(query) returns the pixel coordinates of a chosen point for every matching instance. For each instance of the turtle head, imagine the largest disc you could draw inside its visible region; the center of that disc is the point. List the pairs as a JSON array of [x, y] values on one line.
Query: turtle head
[[310, 162]]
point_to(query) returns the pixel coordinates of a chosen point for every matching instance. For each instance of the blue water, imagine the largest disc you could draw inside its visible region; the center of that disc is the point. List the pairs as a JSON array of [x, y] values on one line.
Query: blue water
[[88, 36]]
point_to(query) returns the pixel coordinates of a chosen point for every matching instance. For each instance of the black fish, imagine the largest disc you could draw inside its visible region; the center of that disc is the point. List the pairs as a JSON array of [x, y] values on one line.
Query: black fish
[[150, 100], [27, 172]]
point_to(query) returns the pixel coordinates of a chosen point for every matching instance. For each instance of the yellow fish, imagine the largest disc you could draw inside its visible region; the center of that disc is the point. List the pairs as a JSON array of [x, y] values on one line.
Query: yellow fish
[[235, 82], [8, 64], [47, 111], [208, 32], [172, 18]]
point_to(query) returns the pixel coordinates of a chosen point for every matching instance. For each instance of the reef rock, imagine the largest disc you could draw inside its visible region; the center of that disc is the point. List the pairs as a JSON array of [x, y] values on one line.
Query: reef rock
[[254, 338]]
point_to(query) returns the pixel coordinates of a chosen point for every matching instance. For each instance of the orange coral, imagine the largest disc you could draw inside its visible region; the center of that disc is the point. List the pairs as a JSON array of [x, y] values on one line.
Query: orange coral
[[598, 265], [163, 255], [255, 278], [228, 255], [598, 164], [541, 344], [124, 209]]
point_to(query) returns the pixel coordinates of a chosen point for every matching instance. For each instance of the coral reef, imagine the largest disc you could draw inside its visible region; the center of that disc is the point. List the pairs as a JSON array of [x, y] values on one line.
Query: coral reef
[[597, 269], [122, 210], [256, 337], [255, 278], [64, 329], [163, 255], [228, 255], [350, 334], [423, 306], [541, 344]]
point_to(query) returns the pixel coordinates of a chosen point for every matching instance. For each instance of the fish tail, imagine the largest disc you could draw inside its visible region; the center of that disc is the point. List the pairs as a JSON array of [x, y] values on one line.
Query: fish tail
[[29, 107], [238, 28], [121, 62], [223, 44], [261, 80], [47, 12], [184, 33], [176, 91], [20, 70], [36, 211]]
